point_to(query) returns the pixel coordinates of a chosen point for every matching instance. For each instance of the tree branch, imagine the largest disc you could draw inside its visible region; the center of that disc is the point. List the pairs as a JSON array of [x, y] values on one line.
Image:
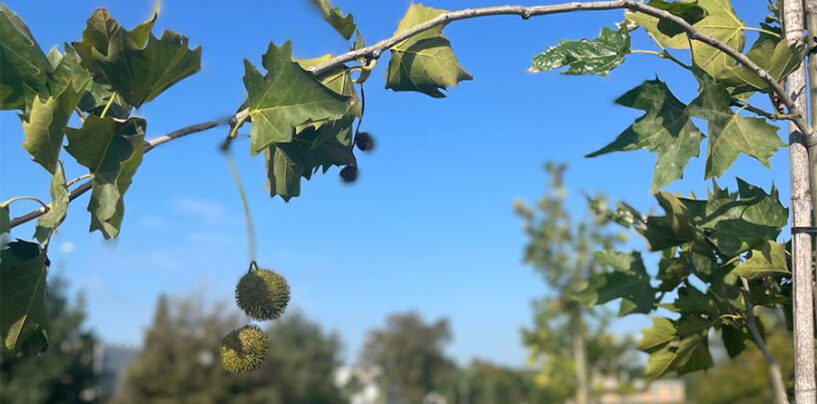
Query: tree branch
[[375, 51], [149, 145]]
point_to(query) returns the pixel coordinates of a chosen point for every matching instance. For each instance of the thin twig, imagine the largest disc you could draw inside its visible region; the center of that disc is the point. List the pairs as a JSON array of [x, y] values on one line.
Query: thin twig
[[760, 111], [149, 145]]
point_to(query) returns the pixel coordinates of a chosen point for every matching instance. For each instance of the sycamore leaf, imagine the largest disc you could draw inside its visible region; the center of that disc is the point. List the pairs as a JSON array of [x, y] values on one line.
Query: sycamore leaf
[[425, 62], [112, 151], [96, 97], [743, 220], [675, 228], [311, 149], [5, 222], [729, 133], [135, 63], [671, 272], [44, 127], [22, 61], [680, 346], [773, 55], [345, 26], [771, 259], [587, 56], [628, 281], [734, 340], [23, 311], [719, 21], [289, 96], [337, 79], [665, 129], [59, 205], [666, 32]]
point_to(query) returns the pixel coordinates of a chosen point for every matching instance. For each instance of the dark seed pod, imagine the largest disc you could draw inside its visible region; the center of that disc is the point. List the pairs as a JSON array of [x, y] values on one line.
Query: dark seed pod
[[262, 294], [364, 141], [348, 174], [243, 350]]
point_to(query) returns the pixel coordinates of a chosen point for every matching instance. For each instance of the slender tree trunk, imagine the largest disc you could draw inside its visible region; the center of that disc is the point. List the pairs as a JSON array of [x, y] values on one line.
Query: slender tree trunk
[[580, 358], [811, 25], [804, 384]]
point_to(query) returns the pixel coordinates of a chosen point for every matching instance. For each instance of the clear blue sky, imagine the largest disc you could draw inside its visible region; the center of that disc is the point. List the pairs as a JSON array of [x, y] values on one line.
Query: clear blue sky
[[427, 227]]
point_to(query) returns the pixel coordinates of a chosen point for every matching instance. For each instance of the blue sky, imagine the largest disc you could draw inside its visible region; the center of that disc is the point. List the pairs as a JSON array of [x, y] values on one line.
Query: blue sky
[[427, 227]]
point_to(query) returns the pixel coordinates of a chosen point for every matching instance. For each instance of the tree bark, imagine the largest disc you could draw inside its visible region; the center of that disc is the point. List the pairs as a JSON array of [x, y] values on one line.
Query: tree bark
[[803, 309]]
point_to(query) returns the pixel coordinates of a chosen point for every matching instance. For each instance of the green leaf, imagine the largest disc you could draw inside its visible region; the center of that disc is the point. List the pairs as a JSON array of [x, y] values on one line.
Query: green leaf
[[587, 56], [22, 61], [729, 132], [629, 281], [665, 129], [112, 151], [334, 16], [289, 96], [137, 64], [771, 54], [44, 127], [673, 229], [425, 62], [59, 205], [310, 150], [772, 259], [734, 340], [23, 311], [96, 97], [671, 272], [665, 32], [720, 22], [337, 79], [743, 220], [5, 222], [680, 346]]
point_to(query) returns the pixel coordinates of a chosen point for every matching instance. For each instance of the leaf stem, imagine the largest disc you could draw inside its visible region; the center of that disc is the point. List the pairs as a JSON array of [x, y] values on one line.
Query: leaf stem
[[107, 106], [27, 198], [251, 239], [663, 54], [78, 179], [765, 31]]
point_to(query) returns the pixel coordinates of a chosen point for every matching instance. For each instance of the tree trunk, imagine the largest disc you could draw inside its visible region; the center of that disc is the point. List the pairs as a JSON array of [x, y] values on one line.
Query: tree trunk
[[580, 358], [803, 309], [811, 25]]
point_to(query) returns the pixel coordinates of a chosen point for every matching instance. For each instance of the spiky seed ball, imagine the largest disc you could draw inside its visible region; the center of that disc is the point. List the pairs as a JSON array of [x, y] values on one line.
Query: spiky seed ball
[[262, 294], [364, 141], [348, 174], [243, 350]]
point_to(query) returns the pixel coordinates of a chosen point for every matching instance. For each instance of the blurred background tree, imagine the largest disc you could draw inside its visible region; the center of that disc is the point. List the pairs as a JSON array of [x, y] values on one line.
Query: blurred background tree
[[569, 342], [62, 374], [180, 361], [410, 354]]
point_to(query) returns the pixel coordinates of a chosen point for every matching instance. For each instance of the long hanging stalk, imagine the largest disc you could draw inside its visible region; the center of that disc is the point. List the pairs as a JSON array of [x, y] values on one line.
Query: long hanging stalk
[[803, 308]]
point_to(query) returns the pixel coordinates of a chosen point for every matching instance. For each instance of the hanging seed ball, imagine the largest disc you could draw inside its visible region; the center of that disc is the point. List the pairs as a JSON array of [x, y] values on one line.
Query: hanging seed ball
[[243, 350], [364, 141], [262, 294], [348, 174]]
